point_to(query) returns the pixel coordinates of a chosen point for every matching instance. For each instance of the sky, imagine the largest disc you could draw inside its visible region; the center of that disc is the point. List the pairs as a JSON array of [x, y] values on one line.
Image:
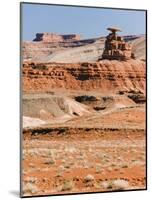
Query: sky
[[88, 22]]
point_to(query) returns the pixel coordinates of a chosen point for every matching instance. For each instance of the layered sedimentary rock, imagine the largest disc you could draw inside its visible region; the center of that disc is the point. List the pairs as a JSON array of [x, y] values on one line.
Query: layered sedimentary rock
[[52, 37], [53, 48], [104, 76], [115, 47]]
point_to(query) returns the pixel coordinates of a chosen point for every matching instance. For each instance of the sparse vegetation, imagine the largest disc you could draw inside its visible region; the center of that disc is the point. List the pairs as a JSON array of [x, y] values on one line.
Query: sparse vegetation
[[87, 154], [120, 184], [89, 178], [117, 184], [29, 189], [67, 185], [49, 161]]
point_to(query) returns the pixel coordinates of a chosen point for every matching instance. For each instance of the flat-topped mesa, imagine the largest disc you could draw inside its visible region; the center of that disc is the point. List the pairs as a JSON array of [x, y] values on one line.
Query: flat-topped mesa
[[115, 47], [52, 37]]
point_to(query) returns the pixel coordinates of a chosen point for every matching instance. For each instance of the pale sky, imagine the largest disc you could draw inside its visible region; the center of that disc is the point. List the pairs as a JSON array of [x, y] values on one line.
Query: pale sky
[[88, 22]]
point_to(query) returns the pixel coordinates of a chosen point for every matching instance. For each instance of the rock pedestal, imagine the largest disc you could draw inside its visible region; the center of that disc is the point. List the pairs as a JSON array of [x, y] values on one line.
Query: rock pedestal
[[116, 48]]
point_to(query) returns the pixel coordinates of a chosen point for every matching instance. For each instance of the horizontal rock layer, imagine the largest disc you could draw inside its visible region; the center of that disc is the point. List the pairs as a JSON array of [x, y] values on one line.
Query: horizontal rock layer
[[104, 76]]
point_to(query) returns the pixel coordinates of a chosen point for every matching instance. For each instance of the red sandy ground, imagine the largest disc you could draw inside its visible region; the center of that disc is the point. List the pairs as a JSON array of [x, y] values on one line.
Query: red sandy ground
[[58, 163]]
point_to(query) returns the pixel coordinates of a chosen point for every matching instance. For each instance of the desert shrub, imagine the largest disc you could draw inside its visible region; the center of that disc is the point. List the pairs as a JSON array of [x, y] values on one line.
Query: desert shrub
[[120, 184], [49, 161], [89, 178], [31, 179], [29, 189], [117, 184], [67, 185]]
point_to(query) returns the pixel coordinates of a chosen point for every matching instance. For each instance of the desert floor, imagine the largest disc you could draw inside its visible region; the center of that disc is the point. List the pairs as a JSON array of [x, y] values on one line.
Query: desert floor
[[101, 151]]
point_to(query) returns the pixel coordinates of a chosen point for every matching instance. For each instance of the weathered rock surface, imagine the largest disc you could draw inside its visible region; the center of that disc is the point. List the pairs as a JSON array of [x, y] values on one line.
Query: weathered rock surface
[[139, 47], [52, 37], [104, 76], [49, 48]]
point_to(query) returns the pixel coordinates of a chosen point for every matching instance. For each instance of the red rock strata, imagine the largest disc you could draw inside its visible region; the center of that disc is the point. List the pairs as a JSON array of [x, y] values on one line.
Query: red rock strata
[[104, 76]]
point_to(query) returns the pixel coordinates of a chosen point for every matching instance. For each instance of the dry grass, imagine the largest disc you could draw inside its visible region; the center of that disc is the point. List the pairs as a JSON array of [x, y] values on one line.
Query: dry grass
[[90, 160], [29, 189], [117, 184], [89, 178], [66, 186]]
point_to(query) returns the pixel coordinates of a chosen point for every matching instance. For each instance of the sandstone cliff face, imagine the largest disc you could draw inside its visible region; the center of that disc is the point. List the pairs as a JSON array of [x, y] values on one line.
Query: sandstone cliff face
[[104, 76]]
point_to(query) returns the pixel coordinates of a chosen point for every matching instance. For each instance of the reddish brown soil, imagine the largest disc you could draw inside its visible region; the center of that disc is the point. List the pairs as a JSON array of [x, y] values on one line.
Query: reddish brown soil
[[107, 155]]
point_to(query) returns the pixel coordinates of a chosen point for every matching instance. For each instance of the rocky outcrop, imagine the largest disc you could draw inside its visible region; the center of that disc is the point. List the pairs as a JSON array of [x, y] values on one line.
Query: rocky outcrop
[[52, 37], [103, 76], [138, 98], [48, 47]]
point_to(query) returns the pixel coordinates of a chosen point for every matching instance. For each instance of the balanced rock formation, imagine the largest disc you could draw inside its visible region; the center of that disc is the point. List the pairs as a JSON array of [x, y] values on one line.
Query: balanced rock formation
[[116, 48]]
